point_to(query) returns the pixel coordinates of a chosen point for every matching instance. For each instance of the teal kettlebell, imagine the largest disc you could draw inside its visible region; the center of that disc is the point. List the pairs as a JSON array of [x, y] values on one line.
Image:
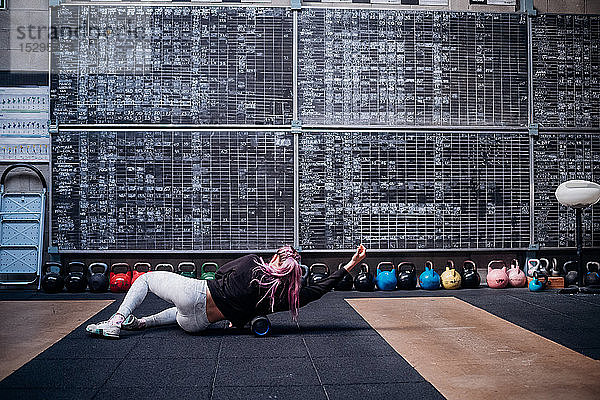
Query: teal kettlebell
[[539, 281], [386, 276], [429, 279]]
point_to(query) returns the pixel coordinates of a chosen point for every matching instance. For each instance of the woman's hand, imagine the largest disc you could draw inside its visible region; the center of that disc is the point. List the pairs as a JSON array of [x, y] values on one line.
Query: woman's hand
[[360, 254]]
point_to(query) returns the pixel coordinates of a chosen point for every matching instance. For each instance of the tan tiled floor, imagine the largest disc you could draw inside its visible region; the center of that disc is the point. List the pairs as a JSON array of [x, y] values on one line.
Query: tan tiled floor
[[30, 327], [468, 353]]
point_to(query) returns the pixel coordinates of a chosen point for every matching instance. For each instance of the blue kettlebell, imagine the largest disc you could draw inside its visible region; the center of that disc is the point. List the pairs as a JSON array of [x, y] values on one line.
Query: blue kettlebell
[[539, 281], [386, 276], [429, 279]]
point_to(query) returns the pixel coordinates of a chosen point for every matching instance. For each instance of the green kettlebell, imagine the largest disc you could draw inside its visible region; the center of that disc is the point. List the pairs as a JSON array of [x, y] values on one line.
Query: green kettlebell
[[208, 271], [187, 269]]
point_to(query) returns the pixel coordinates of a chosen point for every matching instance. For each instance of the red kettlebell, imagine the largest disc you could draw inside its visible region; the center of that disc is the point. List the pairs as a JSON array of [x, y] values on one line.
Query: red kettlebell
[[120, 277], [497, 278], [139, 269], [516, 277]]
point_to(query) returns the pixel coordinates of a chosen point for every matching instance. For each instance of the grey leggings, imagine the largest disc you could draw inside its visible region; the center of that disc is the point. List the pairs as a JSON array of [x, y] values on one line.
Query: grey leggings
[[187, 294]]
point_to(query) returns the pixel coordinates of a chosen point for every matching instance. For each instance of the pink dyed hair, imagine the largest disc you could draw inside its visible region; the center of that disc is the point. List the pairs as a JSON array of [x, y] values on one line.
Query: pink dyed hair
[[287, 273]]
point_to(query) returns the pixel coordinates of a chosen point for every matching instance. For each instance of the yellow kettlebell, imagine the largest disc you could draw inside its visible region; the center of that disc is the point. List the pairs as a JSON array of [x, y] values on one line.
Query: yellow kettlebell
[[450, 278]]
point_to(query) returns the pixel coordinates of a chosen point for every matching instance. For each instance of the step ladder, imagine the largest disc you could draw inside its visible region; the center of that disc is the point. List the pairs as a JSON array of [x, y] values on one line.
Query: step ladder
[[22, 218]]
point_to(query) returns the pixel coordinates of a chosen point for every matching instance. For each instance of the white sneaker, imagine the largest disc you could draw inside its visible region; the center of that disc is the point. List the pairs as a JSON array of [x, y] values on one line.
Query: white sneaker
[[105, 329], [132, 324]]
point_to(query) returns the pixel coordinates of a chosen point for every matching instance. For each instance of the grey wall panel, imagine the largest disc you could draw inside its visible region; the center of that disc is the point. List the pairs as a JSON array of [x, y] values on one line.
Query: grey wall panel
[[566, 70], [403, 68], [171, 65], [172, 190], [559, 157], [414, 190]]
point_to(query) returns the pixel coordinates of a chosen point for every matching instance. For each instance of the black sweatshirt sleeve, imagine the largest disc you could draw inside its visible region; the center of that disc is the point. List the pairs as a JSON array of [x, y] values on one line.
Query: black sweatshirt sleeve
[[316, 291]]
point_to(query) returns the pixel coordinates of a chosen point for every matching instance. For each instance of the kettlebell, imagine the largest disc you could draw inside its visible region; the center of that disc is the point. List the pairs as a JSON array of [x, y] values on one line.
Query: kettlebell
[[539, 281], [386, 276], [164, 267], [470, 277], [208, 270], [364, 281], [316, 276], [450, 278], [533, 265], [571, 274], [407, 276], [187, 269], [52, 279], [497, 278], [555, 270], [592, 278], [76, 280], [98, 281], [346, 283], [120, 277], [545, 266], [429, 279], [139, 269], [304, 278], [516, 277], [260, 325]]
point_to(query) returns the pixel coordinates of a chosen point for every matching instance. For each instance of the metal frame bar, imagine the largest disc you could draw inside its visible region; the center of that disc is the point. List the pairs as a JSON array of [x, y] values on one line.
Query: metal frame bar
[[50, 129], [172, 4], [346, 250], [162, 127], [296, 136], [531, 138]]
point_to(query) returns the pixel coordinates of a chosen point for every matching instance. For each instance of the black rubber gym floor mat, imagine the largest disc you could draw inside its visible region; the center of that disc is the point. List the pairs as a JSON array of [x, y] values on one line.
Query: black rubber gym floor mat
[[327, 348], [331, 353]]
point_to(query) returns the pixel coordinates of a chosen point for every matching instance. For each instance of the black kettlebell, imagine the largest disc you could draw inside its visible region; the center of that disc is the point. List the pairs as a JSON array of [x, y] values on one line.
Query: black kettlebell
[[555, 271], [346, 283], [304, 278], [164, 267], [52, 279], [98, 280], [571, 275], [316, 276], [592, 278], [470, 277], [364, 281], [545, 266], [76, 280], [407, 276]]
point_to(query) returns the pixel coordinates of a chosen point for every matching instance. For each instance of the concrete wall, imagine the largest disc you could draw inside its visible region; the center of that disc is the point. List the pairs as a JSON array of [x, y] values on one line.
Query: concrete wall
[[24, 36], [567, 6]]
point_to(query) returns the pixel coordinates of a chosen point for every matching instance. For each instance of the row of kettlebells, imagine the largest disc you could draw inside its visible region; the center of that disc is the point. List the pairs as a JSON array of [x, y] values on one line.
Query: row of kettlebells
[[76, 277], [569, 270], [403, 276]]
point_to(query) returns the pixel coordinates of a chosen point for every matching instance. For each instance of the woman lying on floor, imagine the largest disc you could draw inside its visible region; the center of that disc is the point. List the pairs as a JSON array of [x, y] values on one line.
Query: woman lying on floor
[[242, 289]]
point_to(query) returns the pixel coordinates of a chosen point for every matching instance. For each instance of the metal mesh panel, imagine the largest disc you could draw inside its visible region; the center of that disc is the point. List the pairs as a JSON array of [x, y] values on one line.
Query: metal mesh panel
[[397, 190], [171, 65], [559, 157], [162, 190], [385, 67], [566, 70]]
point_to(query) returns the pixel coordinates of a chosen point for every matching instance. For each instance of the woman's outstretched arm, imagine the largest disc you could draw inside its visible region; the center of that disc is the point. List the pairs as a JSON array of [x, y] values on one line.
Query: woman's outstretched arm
[[316, 291]]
